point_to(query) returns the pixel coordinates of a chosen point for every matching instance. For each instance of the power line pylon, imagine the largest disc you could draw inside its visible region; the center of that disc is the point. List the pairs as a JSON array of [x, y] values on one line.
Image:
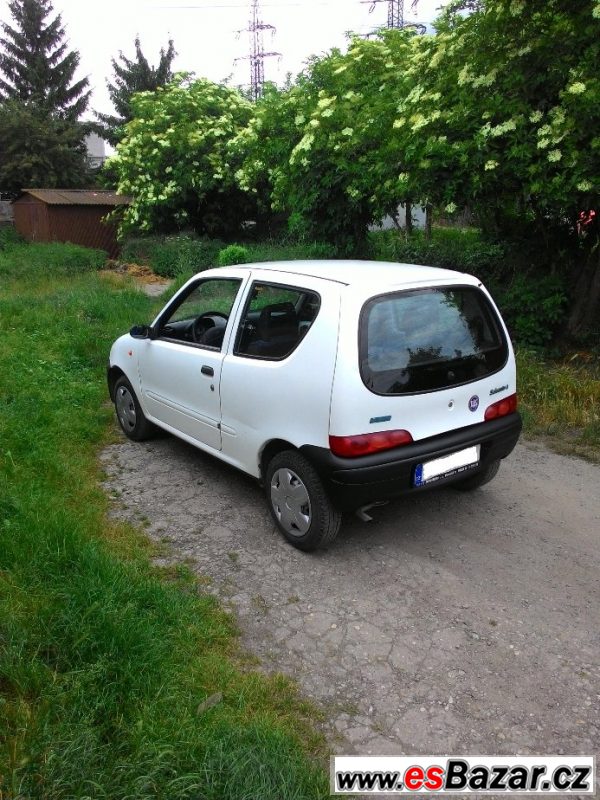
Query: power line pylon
[[257, 55], [396, 14]]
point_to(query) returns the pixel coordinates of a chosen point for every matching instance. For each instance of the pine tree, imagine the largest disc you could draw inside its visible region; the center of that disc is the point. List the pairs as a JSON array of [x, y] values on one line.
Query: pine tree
[[39, 150], [36, 66], [131, 76]]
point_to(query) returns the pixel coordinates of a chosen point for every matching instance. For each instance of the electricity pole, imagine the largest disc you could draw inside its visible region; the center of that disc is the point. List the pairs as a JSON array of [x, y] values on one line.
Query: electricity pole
[[257, 54], [396, 14], [396, 21]]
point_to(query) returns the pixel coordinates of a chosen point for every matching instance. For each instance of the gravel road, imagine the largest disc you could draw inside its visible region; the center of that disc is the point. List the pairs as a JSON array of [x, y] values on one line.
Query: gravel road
[[453, 623]]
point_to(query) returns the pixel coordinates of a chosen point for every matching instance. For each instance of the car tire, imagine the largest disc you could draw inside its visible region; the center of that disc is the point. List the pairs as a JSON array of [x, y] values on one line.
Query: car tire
[[299, 503], [478, 478], [129, 412]]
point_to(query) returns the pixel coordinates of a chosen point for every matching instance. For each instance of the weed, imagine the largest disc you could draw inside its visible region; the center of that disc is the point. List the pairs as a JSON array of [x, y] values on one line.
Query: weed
[[560, 400]]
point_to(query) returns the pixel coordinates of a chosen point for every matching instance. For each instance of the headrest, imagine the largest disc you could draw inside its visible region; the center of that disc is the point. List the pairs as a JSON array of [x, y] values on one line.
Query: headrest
[[277, 319]]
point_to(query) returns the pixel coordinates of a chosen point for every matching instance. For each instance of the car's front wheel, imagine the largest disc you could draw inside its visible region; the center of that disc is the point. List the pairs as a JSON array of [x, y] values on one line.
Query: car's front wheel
[[129, 412], [299, 503]]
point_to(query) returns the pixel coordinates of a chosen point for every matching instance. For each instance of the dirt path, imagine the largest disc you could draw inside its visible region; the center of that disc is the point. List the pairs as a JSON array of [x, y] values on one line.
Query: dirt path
[[453, 623]]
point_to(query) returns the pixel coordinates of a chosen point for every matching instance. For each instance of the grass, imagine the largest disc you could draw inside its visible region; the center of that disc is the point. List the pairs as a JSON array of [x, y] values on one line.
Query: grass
[[104, 661], [26, 261], [560, 401]]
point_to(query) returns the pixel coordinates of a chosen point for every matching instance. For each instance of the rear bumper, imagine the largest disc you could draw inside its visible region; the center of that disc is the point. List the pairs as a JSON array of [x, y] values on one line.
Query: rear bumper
[[354, 482]]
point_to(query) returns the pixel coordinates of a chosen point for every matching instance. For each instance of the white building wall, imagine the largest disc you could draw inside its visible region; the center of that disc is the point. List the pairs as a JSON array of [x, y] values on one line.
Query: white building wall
[[96, 149], [418, 219]]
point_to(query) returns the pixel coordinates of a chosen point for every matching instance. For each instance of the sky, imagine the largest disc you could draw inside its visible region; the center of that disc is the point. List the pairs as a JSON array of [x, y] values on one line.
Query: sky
[[206, 36]]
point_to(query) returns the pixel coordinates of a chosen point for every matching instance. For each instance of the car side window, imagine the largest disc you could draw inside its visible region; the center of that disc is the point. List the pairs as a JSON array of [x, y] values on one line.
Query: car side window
[[201, 316], [275, 320]]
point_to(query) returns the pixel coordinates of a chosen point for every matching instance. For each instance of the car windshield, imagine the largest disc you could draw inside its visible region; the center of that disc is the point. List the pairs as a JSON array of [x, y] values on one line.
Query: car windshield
[[428, 339]]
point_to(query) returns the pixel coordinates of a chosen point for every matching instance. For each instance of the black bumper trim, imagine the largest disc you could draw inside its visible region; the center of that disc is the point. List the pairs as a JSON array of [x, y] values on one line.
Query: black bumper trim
[[353, 482]]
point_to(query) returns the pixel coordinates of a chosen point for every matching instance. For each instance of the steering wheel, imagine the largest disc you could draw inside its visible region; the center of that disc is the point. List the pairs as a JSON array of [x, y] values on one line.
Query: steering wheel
[[204, 322]]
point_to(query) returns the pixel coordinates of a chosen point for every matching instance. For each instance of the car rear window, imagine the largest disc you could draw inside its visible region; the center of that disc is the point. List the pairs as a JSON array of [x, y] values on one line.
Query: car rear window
[[423, 340]]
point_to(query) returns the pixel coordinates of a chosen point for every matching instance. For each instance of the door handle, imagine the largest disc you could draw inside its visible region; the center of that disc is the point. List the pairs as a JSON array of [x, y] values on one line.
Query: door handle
[[207, 371]]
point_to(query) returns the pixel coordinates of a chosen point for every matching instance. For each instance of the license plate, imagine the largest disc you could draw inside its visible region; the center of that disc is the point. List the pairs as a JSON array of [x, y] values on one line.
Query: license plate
[[438, 468]]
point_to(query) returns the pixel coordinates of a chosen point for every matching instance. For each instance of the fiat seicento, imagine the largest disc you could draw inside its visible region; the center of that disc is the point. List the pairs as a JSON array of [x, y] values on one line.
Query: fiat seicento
[[337, 384]]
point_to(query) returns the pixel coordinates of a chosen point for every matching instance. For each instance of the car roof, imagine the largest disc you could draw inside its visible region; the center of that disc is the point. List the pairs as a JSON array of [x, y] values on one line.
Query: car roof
[[357, 273]]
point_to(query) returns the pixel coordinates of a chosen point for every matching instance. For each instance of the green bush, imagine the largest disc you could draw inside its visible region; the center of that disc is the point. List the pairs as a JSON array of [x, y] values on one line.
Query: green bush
[[138, 250], [233, 254], [533, 308], [276, 251], [451, 248], [283, 251], [184, 254], [172, 255]]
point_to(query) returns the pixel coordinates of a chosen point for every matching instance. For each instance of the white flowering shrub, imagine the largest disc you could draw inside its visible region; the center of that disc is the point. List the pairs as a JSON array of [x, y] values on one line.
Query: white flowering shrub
[[323, 151], [174, 160], [514, 90]]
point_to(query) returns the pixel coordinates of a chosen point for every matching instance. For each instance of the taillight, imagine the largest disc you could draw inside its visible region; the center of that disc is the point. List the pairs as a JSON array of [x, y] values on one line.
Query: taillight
[[365, 443], [501, 408]]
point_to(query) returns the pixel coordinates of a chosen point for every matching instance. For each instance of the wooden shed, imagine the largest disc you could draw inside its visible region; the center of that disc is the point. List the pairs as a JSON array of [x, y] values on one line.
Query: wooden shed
[[68, 215]]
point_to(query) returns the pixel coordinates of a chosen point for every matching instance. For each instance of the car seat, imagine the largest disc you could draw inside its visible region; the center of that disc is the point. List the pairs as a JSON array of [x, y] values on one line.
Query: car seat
[[276, 331]]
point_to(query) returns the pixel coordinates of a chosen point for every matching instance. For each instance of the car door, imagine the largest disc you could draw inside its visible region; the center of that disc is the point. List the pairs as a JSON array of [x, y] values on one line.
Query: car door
[[278, 372], [180, 368]]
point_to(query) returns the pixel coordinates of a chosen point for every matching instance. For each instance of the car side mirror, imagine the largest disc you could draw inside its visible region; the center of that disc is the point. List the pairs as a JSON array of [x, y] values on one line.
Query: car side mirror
[[141, 332]]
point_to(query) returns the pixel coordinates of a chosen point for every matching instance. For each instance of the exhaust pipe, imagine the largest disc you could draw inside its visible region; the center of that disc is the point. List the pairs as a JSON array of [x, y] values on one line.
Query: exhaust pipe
[[361, 513]]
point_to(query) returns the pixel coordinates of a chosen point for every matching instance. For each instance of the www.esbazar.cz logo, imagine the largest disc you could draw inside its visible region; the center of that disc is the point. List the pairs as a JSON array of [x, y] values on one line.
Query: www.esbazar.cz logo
[[462, 774]]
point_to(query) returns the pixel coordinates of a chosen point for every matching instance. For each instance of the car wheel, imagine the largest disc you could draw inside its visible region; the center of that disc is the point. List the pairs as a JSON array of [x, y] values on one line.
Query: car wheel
[[478, 478], [129, 412], [298, 502]]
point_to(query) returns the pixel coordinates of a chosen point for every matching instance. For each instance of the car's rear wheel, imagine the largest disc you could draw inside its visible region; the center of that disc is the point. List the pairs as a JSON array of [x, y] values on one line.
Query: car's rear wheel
[[299, 503], [478, 478], [129, 412]]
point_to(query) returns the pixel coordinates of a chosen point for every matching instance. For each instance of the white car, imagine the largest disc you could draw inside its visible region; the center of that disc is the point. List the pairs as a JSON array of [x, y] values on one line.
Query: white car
[[337, 384]]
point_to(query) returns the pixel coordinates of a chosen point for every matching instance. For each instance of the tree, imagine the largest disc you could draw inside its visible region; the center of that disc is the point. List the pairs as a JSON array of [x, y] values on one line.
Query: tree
[[39, 150], [324, 149], [504, 118], [175, 163], [41, 140], [130, 77], [36, 64]]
